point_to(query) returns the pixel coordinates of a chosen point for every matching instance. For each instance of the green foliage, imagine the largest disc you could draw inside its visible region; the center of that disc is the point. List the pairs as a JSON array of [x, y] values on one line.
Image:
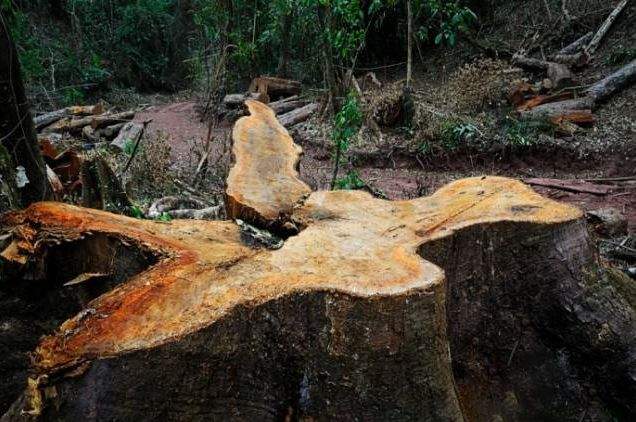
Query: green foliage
[[524, 133], [165, 217], [454, 132], [129, 147], [351, 181], [136, 212], [347, 123], [444, 18], [620, 55]]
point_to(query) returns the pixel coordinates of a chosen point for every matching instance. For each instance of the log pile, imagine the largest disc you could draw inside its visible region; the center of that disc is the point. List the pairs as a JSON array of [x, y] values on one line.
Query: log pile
[[284, 94], [72, 174], [481, 302], [569, 109]]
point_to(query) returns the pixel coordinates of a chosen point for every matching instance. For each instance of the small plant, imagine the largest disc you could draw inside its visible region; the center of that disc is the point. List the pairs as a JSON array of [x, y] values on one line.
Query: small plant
[[129, 147], [620, 54], [347, 124], [454, 133], [351, 181], [165, 217], [524, 133], [136, 212]]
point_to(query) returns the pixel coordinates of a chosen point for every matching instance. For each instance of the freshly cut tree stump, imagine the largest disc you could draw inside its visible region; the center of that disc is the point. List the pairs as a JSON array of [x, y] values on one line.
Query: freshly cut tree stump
[[507, 317]]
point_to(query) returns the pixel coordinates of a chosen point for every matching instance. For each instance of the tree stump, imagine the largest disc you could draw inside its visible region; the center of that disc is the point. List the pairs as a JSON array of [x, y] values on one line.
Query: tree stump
[[481, 302]]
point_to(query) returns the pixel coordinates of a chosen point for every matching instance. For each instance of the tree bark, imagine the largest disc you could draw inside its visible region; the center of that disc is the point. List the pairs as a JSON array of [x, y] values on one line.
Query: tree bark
[[611, 84], [549, 110], [324, 16], [409, 44], [17, 133], [298, 115], [576, 45], [282, 70]]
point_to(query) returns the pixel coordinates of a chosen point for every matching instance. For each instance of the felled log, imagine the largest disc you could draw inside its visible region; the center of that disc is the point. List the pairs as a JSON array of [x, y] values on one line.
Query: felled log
[[578, 117], [111, 119], [613, 83], [286, 105], [541, 99], [275, 88], [546, 111], [263, 191], [232, 101], [75, 125], [129, 134], [298, 115], [370, 308], [48, 118], [559, 74]]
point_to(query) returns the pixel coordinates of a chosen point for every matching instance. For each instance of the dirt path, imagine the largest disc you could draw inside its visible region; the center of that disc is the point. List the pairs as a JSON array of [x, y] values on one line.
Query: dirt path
[[180, 123]]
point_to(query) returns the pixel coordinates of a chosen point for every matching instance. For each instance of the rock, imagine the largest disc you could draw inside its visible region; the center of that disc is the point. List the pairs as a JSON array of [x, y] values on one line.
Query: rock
[[608, 222]]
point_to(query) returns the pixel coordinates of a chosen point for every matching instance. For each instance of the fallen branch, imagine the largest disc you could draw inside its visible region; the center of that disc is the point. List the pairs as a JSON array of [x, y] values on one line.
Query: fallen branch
[[598, 37], [577, 186], [577, 45], [184, 207]]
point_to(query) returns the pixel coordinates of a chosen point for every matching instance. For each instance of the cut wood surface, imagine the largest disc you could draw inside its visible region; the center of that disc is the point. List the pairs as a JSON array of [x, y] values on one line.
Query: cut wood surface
[[263, 185], [458, 306]]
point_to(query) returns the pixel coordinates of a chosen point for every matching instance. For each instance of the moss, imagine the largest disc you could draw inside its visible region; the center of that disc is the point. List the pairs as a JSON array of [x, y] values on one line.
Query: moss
[[624, 285]]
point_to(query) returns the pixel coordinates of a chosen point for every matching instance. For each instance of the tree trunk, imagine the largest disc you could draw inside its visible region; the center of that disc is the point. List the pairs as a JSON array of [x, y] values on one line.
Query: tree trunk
[[549, 110], [283, 62], [409, 44], [324, 16], [608, 86], [17, 132], [482, 302]]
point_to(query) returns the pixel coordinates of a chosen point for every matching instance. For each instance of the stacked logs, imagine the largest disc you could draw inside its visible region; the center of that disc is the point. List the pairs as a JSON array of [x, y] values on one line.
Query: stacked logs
[[562, 103], [284, 95], [70, 172]]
